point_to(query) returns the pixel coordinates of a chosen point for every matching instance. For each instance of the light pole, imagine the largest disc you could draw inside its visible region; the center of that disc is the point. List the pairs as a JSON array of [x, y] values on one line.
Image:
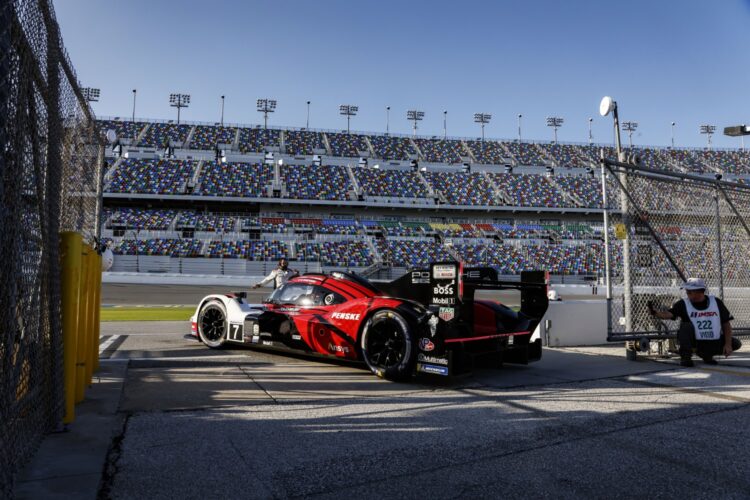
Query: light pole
[[222, 111], [90, 94], [672, 130], [591, 136], [307, 123], [348, 110], [482, 119], [134, 92], [387, 119], [555, 122], [179, 101], [630, 127], [445, 124], [266, 106], [415, 116], [708, 130], [519, 127]]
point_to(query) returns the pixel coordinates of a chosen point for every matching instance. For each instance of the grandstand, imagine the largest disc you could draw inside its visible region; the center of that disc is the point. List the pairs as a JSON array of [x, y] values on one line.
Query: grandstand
[[330, 199]]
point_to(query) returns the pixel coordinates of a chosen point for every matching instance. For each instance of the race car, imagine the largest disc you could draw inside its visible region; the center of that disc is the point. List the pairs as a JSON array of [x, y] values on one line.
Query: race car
[[427, 321]]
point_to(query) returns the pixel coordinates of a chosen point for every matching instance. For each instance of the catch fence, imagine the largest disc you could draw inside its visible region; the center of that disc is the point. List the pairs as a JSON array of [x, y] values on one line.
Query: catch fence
[[664, 227], [51, 158]]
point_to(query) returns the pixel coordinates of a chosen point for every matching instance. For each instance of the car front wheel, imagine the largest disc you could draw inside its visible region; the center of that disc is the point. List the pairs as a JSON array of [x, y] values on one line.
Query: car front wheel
[[387, 345], [212, 324]]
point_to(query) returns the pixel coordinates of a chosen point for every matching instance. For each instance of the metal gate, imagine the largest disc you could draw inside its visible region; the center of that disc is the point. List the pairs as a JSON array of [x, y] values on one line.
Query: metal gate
[[663, 227]]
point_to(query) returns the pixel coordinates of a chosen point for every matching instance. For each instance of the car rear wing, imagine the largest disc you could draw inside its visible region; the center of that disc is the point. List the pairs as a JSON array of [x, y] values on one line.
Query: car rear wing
[[451, 287]]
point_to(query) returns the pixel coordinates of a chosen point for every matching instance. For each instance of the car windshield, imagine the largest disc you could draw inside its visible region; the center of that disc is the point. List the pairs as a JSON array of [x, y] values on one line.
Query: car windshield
[[292, 293]]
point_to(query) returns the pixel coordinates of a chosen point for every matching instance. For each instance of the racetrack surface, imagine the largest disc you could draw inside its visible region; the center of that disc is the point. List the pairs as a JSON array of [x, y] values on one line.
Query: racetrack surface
[[581, 423]]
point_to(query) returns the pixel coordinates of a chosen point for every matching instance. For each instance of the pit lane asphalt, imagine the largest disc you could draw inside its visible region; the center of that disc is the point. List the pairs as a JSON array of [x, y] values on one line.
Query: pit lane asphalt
[[191, 422]]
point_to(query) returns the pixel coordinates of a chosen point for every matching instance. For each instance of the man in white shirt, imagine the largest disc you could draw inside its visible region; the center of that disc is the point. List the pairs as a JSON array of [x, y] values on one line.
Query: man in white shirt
[[279, 276]]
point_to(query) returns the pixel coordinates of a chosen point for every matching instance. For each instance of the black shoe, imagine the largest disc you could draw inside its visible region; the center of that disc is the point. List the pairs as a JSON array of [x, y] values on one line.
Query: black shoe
[[686, 362], [709, 360]]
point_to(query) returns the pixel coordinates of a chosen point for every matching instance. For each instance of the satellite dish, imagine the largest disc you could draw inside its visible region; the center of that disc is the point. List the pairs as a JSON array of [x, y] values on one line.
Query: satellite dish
[[111, 136], [606, 106]]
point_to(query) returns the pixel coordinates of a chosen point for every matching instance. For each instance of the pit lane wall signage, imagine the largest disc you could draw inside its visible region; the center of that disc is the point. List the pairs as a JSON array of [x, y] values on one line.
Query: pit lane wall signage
[[445, 289]]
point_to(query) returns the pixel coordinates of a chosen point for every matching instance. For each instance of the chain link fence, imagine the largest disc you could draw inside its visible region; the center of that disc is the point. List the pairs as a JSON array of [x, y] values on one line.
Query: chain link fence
[[665, 227], [50, 163]]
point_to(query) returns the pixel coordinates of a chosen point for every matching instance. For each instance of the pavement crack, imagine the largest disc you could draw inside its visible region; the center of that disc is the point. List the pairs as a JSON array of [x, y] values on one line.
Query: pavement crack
[[111, 467], [257, 384]]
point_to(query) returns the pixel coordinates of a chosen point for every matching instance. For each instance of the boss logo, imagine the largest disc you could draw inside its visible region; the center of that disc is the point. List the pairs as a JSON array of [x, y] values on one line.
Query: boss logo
[[347, 316], [446, 289]]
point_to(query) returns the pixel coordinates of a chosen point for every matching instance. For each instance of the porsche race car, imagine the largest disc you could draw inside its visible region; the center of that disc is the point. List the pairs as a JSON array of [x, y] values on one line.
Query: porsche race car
[[428, 321]]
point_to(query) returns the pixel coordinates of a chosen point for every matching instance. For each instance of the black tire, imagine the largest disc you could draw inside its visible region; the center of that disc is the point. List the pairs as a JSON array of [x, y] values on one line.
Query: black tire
[[387, 345], [212, 324]]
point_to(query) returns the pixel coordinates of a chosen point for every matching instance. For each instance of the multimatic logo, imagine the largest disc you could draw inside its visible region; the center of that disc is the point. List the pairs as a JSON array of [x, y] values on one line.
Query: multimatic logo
[[424, 358], [446, 289]]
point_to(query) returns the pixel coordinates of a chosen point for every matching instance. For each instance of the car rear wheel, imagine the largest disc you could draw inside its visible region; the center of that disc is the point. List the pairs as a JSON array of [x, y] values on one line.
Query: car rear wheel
[[212, 324], [387, 345]]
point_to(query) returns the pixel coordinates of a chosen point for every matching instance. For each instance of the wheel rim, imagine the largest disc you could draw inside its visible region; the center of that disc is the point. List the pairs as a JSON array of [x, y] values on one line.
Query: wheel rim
[[385, 344], [212, 324]]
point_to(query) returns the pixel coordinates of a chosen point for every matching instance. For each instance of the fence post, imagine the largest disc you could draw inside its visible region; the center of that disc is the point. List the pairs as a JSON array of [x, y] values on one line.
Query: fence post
[[82, 336], [70, 250], [719, 258]]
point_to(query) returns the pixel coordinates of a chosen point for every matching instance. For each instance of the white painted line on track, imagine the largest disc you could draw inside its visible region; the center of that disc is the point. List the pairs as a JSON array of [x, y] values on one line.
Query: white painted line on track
[[104, 345]]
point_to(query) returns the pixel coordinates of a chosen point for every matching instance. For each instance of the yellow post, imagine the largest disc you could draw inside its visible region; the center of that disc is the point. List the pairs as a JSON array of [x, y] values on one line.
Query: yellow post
[[70, 255], [91, 341], [97, 307], [82, 351]]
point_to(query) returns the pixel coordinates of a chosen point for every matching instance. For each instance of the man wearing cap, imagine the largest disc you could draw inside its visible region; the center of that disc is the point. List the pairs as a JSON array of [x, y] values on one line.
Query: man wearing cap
[[704, 324]]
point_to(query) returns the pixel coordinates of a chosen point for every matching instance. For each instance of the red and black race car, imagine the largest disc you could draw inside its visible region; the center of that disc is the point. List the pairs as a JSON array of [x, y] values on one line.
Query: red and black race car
[[427, 321]]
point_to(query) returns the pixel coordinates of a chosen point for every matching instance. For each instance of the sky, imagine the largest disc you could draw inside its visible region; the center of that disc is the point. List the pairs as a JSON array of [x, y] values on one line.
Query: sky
[[682, 61]]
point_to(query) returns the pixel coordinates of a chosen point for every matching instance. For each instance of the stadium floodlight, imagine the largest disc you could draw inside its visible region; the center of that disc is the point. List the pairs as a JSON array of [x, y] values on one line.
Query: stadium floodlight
[[266, 106], [482, 119], [555, 122], [630, 127], [387, 119], [179, 101], [591, 136], [519, 127], [222, 111], [708, 130], [415, 116], [738, 131], [348, 110], [445, 124], [307, 122], [90, 94]]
